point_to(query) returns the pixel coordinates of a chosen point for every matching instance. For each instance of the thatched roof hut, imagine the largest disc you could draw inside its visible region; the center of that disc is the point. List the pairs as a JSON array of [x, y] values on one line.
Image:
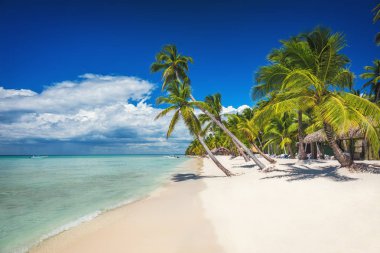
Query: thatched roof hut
[[320, 136], [220, 151]]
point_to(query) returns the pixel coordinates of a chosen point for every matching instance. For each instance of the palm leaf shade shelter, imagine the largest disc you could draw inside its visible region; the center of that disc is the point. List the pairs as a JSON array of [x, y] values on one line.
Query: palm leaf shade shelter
[[352, 142], [221, 151]]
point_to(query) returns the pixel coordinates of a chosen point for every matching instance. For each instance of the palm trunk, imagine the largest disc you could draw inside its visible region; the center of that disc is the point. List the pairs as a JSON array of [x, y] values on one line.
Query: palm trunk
[[377, 96], [320, 154], [301, 149], [313, 151], [344, 160], [269, 159], [290, 151], [260, 143], [232, 136], [241, 152], [284, 149], [213, 158]]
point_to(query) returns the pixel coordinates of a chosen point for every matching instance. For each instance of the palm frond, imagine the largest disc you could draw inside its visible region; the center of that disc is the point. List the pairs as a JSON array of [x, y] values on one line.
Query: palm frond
[[376, 10], [173, 123], [165, 111], [344, 79], [377, 39], [333, 110]]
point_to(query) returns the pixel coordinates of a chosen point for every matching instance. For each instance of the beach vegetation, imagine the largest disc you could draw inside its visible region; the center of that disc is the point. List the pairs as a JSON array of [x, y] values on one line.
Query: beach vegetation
[[177, 98], [372, 74], [309, 72], [174, 66]]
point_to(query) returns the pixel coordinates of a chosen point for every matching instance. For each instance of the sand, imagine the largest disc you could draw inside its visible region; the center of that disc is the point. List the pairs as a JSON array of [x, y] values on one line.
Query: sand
[[171, 220], [299, 208], [296, 208]]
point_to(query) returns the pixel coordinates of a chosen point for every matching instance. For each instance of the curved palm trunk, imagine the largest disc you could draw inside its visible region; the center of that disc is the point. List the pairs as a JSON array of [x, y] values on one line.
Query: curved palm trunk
[[269, 159], [344, 160], [213, 158], [232, 136], [301, 149], [241, 152]]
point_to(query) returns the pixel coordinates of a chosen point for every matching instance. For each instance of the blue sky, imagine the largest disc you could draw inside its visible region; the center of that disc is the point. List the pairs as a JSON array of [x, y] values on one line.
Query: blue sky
[[49, 44]]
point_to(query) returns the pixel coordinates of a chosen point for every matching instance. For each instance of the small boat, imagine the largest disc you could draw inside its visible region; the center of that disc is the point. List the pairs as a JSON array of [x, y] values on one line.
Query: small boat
[[38, 156], [171, 156]]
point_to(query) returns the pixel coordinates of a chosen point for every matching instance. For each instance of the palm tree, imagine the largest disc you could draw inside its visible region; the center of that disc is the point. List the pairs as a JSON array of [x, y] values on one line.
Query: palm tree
[[376, 18], [175, 67], [293, 55], [249, 130], [214, 103], [173, 64], [177, 98], [195, 148], [373, 74], [281, 130], [317, 68]]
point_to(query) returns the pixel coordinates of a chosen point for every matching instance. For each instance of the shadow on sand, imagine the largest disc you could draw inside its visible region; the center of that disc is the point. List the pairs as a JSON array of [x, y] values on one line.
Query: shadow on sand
[[247, 166], [306, 173], [189, 176], [368, 168]]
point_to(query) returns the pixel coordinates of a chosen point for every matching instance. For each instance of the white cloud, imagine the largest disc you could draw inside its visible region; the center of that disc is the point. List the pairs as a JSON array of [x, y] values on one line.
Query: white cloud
[[230, 109], [94, 109], [97, 113], [8, 93], [91, 90]]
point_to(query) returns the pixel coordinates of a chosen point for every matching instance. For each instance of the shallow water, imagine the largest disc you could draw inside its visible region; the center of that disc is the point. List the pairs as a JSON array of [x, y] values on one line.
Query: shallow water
[[43, 196]]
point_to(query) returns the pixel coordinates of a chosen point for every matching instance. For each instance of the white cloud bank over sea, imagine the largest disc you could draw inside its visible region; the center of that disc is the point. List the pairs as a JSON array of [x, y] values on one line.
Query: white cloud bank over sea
[[97, 114]]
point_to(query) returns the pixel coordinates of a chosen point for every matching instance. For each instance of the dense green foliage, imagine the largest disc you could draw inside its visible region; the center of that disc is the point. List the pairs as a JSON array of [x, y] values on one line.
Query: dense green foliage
[[307, 73], [306, 87]]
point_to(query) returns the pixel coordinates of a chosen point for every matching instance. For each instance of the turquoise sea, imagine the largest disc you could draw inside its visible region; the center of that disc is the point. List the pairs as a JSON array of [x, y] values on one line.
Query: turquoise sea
[[40, 197]]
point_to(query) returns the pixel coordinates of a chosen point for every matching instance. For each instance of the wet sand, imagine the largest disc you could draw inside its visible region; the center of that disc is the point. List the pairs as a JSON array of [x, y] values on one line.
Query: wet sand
[[170, 220]]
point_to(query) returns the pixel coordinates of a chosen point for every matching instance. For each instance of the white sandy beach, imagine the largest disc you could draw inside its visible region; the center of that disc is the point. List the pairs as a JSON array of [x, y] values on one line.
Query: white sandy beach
[[293, 210], [297, 208]]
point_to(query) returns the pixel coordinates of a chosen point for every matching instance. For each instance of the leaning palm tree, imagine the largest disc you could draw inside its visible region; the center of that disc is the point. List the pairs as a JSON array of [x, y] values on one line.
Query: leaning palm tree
[[177, 98], [247, 127], [312, 83], [373, 74], [214, 103], [175, 67]]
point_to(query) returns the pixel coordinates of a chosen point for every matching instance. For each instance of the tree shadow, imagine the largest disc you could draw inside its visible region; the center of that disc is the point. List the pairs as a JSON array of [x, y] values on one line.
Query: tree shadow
[[295, 174], [311, 161], [245, 166], [180, 177], [368, 168]]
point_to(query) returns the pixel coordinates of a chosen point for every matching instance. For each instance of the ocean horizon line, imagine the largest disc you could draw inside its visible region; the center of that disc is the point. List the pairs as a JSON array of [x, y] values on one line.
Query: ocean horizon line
[[28, 155]]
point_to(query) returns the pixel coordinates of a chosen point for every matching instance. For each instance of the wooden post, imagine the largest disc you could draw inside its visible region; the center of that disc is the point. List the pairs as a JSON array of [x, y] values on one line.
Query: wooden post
[[313, 150]]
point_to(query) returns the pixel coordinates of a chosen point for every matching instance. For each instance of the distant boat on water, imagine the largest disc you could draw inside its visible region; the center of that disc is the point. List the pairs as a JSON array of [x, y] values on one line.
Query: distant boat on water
[[171, 156], [38, 156]]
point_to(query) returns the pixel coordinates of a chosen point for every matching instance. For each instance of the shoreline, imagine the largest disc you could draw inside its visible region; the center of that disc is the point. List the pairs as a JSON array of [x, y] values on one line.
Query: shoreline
[[295, 208], [79, 239], [91, 216]]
